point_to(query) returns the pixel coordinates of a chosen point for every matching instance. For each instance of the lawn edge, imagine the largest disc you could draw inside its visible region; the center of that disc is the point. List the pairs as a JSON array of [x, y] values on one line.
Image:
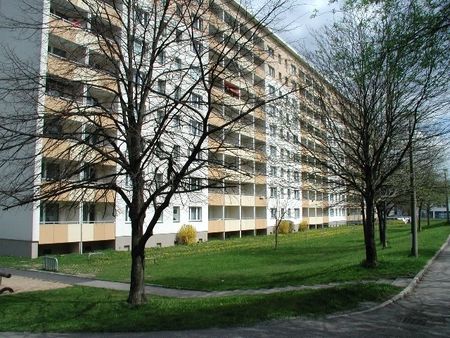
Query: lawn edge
[[406, 291]]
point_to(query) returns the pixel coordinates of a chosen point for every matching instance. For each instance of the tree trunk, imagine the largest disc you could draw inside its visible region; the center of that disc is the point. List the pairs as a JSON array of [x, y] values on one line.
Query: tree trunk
[[136, 295], [369, 233], [277, 224], [428, 216], [419, 223]]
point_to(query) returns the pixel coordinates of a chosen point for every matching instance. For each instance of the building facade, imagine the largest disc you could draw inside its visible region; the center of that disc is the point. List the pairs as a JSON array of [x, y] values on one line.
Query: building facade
[[262, 169]]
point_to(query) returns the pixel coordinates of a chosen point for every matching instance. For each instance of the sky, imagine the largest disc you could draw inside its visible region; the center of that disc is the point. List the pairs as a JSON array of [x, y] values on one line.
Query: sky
[[296, 25]]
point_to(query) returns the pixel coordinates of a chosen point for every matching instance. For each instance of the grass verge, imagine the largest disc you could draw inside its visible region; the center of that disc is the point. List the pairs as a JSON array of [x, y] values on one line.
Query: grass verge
[[77, 309], [307, 258]]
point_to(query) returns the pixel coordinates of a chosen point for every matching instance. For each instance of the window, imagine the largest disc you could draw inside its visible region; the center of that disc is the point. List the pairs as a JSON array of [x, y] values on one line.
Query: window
[[161, 217], [293, 70], [271, 90], [195, 183], [159, 180], [49, 213], [197, 46], [178, 63], [176, 214], [51, 171], [178, 35], [289, 213], [142, 16], [195, 72], [273, 130], [162, 57], [273, 213], [296, 176], [162, 86], [177, 93], [296, 213], [297, 194], [159, 116], [289, 193], [57, 51], [273, 192], [273, 171], [197, 100], [127, 214], [271, 71], [270, 51], [176, 152], [198, 24], [196, 127], [279, 59], [89, 173], [176, 121], [273, 151], [138, 47], [195, 214], [88, 212]]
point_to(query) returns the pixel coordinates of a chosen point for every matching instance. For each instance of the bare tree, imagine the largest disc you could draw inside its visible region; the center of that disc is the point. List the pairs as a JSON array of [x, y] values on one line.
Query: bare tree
[[391, 80], [137, 102]]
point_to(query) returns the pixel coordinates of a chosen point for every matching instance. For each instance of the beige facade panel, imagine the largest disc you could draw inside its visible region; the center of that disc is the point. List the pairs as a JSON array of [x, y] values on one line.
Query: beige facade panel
[[260, 224], [260, 201], [216, 199], [248, 224], [232, 200], [248, 201], [216, 226], [232, 225]]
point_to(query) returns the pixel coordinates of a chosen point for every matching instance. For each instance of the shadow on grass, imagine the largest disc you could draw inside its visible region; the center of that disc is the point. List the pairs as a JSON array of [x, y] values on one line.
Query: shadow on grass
[[79, 309]]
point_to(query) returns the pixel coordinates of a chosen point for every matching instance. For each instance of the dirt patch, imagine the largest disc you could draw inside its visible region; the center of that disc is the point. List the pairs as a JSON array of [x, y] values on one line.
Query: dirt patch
[[24, 284]]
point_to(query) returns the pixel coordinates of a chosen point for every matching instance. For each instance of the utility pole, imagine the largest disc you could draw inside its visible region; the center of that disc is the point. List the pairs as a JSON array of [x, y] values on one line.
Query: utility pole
[[446, 195]]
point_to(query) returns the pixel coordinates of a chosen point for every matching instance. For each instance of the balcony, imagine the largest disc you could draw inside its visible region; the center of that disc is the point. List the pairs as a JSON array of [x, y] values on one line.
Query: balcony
[[71, 232]]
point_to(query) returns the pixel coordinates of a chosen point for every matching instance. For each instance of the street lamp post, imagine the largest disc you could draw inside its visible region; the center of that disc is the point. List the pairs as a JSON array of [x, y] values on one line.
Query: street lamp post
[[446, 195]]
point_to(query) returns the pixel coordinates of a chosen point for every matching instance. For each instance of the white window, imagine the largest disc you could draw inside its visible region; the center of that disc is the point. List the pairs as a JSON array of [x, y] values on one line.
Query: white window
[[273, 192], [162, 57], [196, 127], [197, 100], [271, 90], [178, 63], [195, 183], [198, 24], [297, 213], [273, 151], [273, 213], [176, 152], [161, 217], [127, 214], [195, 214], [176, 214], [271, 71], [273, 130], [297, 194], [195, 72], [270, 51], [273, 171], [162, 86]]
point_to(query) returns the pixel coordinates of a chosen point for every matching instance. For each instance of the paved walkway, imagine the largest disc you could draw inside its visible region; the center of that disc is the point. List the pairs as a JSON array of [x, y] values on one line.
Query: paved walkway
[[177, 293], [424, 312]]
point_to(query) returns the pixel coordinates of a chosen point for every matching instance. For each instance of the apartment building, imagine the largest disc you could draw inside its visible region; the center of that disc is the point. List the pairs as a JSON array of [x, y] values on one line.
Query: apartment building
[[262, 170]]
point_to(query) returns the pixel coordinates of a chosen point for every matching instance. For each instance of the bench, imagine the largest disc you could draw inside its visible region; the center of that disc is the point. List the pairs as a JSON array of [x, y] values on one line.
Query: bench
[[6, 275]]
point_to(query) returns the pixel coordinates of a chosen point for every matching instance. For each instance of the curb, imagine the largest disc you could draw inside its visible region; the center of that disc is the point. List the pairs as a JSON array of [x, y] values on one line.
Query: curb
[[406, 291]]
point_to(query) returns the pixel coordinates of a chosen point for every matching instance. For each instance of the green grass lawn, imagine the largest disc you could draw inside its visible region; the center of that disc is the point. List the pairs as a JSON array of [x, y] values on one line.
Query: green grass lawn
[[313, 257], [89, 309]]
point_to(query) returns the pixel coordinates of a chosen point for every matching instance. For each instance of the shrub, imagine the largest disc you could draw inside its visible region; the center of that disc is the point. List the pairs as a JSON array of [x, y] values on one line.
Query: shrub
[[303, 226], [286, 227], [187, 234]]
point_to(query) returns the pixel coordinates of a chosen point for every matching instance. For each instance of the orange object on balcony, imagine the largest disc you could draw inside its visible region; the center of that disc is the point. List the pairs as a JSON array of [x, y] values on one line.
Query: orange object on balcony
[[232, 89]]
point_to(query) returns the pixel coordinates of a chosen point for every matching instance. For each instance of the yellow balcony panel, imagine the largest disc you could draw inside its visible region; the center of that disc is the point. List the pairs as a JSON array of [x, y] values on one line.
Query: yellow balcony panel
[[260, 224], [53, 233], [98, 79], [216, 226], [61, 149], [232, 225], [232, 200], [57, 104], [248, 224], [260, 179], [259, 135], [215, 173], [315, 220], [260, 201], [104, 231], [63, 68], [326, 219], [67, 30], [216, 199]]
